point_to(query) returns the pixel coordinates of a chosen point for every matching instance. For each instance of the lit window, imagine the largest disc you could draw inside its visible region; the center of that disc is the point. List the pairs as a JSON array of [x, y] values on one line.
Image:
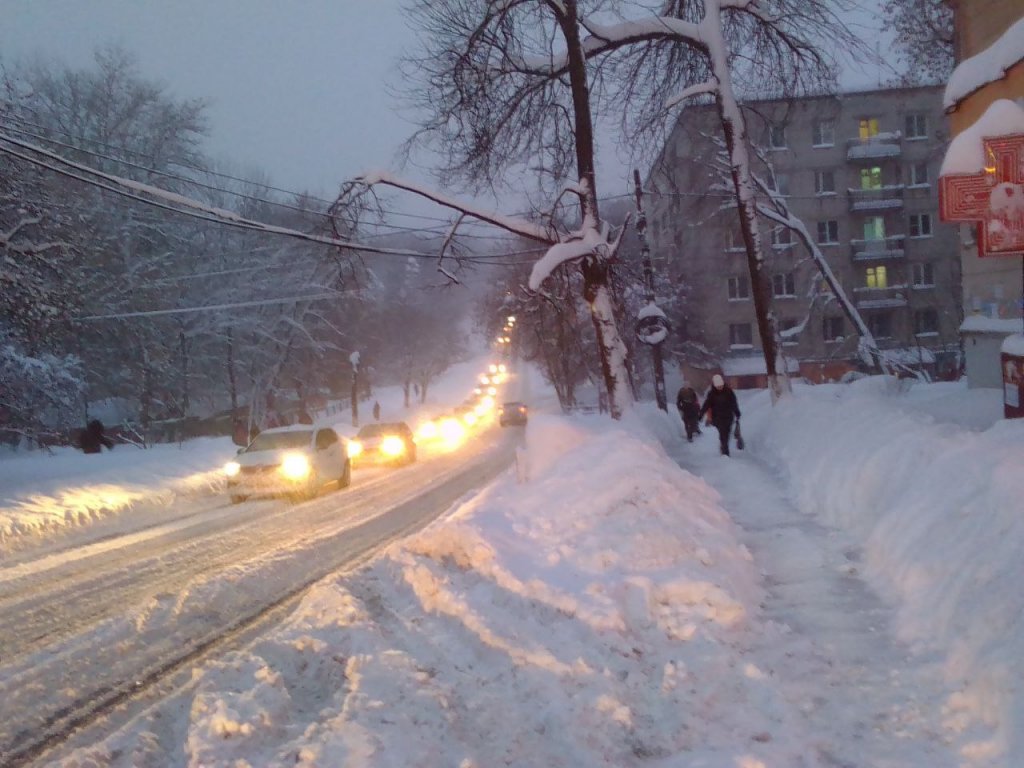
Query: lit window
[[871, 178], [739, 288], [874, 228], [877, 277], [868, 127]]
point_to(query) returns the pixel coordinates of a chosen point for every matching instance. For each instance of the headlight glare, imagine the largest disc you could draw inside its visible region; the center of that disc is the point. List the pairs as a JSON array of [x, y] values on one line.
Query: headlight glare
[[232, 468], [392, 446], [295, 466], [355, 448]]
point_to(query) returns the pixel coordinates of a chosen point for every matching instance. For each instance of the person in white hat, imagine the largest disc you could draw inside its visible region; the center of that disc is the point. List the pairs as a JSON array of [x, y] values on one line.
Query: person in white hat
[[722, 403]]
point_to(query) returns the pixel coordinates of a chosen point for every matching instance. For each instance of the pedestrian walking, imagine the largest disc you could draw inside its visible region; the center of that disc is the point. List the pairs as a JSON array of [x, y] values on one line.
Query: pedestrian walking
[[721, 402], [376, 411], [93, 439], [688, 405]]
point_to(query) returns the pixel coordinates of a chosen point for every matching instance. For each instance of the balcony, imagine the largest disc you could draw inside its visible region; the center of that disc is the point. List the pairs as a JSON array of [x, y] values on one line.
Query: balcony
[[872, 250], [881, 298], [880, 199], [876, 147]]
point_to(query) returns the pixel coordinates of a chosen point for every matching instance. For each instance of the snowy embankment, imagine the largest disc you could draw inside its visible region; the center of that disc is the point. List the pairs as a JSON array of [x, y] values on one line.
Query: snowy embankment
[[598, 614], [42, 494], [940, 512]]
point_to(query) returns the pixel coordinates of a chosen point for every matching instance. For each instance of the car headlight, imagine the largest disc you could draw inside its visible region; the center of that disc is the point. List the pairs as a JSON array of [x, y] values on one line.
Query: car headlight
[[295, 466], [392, 446], [232, 468], [452, 431], [355, 448], [427, 431], [470, 419]]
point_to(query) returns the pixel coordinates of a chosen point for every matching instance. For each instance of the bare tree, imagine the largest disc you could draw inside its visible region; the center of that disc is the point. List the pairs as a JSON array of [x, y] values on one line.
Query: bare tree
[[924, 38]]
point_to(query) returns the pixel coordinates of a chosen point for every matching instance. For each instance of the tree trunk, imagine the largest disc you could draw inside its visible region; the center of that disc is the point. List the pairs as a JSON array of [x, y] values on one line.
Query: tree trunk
[[735, 133], [595, 269]]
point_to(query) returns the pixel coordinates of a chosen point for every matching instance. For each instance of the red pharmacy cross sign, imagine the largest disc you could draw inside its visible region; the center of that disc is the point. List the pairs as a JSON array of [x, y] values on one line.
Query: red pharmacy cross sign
[[993, 198]]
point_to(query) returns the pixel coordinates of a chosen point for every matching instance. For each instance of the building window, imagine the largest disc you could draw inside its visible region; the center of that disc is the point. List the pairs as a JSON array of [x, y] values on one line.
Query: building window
[[740, 335], [782, 237], [926, 322], [828, 232], [924, 275], [868, 127], [919, 175], [787, 329], [917, 126], [734, 241], [739, 288], [874, 228], [784, 284], [920, 225], [876, 277], [880, 325], [777, 136], [871, 178], [782, 183], [825, 182], [832, 328], [824, 133]]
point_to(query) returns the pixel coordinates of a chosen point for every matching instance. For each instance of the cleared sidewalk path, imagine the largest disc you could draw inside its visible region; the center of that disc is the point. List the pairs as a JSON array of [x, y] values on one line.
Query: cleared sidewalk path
[[869, 701]]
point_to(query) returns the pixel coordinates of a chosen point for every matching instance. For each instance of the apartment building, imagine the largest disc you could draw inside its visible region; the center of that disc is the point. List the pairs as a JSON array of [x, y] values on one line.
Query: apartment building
[[859, 169]]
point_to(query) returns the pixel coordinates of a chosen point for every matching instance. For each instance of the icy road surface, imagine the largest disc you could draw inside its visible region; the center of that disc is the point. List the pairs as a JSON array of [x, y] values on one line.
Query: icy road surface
[[86, 626]]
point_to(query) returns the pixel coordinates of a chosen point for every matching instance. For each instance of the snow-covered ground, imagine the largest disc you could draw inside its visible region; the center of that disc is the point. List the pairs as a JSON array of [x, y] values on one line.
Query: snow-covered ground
[[67, 493], [845, 592]]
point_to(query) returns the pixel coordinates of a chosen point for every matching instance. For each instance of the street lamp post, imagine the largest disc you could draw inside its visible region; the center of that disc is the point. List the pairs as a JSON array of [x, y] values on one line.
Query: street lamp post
[[652, 325]]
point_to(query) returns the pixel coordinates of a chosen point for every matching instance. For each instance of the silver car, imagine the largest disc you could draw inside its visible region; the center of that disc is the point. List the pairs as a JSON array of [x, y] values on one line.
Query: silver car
[[297, 461]]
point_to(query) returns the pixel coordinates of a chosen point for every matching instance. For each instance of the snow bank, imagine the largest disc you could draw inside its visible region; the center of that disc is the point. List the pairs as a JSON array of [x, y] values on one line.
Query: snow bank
[[938, 509], [43, 494], [597, 615], [985, 67], [966, 152]]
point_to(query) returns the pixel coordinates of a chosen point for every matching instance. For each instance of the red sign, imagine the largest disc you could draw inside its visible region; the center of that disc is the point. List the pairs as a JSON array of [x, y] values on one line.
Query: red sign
[[994, 198]]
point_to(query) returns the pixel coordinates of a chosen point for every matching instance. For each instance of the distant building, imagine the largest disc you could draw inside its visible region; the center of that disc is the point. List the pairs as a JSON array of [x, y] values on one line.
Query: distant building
[[859, 170], [990, 56]]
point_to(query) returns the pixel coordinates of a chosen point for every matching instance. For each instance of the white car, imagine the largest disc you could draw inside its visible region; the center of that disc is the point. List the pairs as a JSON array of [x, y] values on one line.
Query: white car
[[297, 461]]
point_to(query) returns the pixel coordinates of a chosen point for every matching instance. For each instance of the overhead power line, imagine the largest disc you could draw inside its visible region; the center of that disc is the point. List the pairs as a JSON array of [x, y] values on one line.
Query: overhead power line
[[210, 308]]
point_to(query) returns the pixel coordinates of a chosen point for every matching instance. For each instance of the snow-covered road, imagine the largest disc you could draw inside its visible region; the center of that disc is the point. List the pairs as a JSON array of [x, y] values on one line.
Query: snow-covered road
[[85, 625], [832, 647]]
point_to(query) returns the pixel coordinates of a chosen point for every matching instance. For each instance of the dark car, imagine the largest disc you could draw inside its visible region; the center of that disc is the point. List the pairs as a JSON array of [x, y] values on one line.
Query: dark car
[[512, 414], [384, 443]]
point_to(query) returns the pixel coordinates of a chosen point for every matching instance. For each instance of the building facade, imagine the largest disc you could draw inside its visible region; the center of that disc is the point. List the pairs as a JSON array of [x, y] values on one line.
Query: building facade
[[860, 171], [993, 300]]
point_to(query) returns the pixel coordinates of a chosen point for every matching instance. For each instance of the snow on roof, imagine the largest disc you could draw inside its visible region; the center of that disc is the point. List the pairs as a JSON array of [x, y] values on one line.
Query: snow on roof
[[867, 205], [291, 428], [1014, 345], [982, 324], [966, 154], [987, 66], [873, 149], [753, 366]]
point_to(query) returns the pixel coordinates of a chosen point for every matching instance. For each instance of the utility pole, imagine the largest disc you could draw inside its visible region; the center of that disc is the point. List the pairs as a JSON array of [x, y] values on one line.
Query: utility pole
[[354, 359], [652, 325]]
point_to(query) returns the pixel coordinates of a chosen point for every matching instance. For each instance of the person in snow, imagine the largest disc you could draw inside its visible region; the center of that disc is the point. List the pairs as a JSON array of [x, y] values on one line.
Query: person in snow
[[688, 406], [721, 401], [376, 411], [93, 439]]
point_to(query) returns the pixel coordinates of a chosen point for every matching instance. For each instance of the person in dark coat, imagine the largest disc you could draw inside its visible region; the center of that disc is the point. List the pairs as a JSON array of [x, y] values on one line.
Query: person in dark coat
[[376, 411], [688, 406], [721, 401], [93, 439]]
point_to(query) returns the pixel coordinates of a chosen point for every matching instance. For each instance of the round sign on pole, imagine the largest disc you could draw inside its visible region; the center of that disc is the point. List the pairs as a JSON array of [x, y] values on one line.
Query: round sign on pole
[[652, 329]]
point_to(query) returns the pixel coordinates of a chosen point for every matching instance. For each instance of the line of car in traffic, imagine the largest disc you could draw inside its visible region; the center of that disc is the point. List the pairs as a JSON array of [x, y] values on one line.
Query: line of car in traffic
[[299, 461]]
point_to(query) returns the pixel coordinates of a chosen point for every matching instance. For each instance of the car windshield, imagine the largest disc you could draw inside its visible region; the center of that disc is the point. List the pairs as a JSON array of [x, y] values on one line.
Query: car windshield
[[276, 441]]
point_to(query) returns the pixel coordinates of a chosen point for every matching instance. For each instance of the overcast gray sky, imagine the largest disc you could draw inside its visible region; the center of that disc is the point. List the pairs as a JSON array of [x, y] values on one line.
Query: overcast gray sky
[[295, 88]]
